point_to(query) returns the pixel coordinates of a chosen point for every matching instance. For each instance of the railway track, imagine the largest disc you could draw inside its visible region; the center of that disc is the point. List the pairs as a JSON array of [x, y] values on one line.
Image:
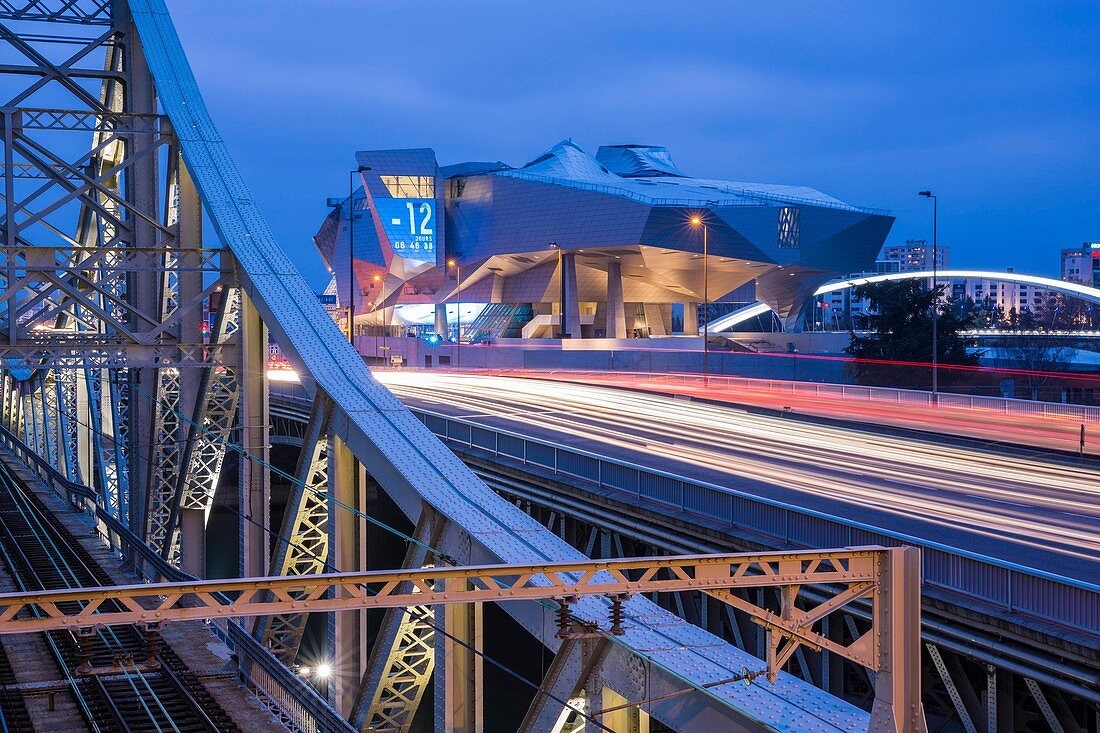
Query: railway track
[[122, 680]]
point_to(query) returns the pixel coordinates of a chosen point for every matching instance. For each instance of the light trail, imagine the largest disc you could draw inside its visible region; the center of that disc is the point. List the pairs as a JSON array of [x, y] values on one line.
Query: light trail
[[1045, 513], [1060, 432]]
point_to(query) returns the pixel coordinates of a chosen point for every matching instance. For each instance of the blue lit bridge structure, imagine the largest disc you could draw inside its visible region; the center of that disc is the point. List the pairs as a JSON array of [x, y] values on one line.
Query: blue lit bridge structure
[[127, 229]]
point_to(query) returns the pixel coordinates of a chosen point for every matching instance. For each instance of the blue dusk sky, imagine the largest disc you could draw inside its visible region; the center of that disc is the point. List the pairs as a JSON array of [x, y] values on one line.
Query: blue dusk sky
[[995, 106]]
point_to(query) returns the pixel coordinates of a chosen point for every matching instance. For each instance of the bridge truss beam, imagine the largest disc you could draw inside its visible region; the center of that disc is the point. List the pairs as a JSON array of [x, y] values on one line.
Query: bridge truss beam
[[888, 576]]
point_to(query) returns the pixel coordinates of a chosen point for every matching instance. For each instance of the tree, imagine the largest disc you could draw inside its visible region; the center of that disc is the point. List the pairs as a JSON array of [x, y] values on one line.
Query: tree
[[984, 314], [1062, 312], [1039, 359], [901, 330]]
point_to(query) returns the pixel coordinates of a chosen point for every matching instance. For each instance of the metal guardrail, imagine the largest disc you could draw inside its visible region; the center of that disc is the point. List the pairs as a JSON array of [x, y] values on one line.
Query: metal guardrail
[[295, 699], [909, 397], [1010, 587]]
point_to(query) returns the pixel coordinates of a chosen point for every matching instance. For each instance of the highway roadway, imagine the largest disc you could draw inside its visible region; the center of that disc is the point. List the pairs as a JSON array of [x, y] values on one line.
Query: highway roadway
[[1057, 432], [1039, 512]]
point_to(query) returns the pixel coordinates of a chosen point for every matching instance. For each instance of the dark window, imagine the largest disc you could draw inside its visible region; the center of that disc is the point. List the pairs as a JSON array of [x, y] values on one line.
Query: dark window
[[787, 231]]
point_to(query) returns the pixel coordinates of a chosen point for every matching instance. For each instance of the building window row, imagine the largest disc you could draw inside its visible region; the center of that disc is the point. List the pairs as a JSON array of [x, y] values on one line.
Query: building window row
[[410, 187]]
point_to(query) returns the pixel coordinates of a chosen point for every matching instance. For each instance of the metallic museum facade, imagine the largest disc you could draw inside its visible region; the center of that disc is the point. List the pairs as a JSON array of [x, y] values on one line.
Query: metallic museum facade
[[623, 239]]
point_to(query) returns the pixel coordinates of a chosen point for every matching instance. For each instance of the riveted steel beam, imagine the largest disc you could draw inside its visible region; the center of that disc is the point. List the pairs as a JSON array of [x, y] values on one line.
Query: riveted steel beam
[[302, 545], [401, 663]]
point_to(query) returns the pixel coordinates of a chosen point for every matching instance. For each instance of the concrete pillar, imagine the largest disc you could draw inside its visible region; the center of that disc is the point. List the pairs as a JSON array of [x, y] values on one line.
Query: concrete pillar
[[691, 319], [658, 318], [616, 308], [571, 317], [442, 328], [460, 690], [255, 476]]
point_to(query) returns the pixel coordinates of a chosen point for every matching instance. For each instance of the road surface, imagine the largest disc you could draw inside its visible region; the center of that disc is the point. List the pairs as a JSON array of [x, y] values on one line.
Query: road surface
[[1042, 513], [1057, 432]]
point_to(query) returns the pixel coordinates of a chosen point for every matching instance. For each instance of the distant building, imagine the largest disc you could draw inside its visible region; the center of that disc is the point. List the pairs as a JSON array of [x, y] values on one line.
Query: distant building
[[842, 307], [1082, 264], [915, 255], [1008, 296]]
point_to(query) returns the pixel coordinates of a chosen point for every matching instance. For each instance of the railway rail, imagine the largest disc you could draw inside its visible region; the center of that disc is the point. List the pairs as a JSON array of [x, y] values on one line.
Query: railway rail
[[125, 679]]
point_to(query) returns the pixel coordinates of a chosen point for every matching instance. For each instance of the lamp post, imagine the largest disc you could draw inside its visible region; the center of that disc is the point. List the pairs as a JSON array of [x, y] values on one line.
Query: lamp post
[[935, 294], [351, 250], [458, 335], [697, 221], [377, 280], [561, 290]]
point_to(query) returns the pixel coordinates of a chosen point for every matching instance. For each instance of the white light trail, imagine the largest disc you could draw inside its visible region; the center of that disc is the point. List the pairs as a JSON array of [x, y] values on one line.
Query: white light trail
[[1036, 504]]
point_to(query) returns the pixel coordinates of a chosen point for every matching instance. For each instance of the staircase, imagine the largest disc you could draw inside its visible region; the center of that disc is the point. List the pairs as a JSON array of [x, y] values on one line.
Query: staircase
[[498, 320]]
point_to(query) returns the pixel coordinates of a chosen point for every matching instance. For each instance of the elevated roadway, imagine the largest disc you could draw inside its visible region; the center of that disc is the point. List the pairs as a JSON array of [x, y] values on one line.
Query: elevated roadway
[[1010, 546], [981, 419], [1036, 511]]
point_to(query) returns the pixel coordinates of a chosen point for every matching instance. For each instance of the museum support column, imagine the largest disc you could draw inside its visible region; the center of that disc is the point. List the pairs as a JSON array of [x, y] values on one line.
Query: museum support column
[[616, 308], [571, 306]]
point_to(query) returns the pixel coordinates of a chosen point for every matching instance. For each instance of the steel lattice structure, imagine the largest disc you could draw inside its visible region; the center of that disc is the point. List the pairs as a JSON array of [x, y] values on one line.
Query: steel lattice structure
[[110, 161]]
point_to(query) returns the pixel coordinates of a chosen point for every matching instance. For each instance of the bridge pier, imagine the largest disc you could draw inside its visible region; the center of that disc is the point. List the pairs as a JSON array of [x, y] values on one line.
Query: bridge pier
[[255, 474], [347, 543], [193, 542], [460, 688]]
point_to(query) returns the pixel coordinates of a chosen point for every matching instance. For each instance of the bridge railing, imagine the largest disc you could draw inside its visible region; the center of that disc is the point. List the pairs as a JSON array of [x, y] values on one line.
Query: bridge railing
[[1011, 588], [909, 397], [293, 697]]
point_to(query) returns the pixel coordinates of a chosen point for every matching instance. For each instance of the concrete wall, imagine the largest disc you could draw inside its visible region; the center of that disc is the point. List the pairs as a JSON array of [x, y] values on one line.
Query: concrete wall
[[643, 355]]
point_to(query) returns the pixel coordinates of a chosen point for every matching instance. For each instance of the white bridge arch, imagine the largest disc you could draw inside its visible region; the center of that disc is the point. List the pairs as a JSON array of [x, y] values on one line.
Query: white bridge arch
[[1085, 292]]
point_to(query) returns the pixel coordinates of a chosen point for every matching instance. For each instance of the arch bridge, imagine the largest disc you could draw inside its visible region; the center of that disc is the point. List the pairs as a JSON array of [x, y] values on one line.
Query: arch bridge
[[1077, 290]]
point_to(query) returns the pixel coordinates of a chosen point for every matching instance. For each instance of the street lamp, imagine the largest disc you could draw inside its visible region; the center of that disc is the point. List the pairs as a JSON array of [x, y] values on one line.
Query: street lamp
[[377, 280], [561, 288], [458, 336], [697, 221], [935, 294], [351, 250]]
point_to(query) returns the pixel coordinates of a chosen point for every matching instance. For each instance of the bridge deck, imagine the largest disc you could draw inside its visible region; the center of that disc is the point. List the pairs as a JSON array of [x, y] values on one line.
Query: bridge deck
[[1023, 509]]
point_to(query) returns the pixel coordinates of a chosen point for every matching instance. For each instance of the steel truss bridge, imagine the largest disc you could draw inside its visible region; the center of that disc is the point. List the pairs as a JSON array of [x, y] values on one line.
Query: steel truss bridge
[[1005, 647], [126, 229]]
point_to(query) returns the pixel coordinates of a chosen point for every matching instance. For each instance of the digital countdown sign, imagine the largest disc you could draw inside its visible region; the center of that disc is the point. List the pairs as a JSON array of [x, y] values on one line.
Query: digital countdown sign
[[410, 226]]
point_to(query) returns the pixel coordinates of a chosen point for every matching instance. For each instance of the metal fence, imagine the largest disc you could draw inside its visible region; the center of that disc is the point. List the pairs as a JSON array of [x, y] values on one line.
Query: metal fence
[[1011, 588]]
